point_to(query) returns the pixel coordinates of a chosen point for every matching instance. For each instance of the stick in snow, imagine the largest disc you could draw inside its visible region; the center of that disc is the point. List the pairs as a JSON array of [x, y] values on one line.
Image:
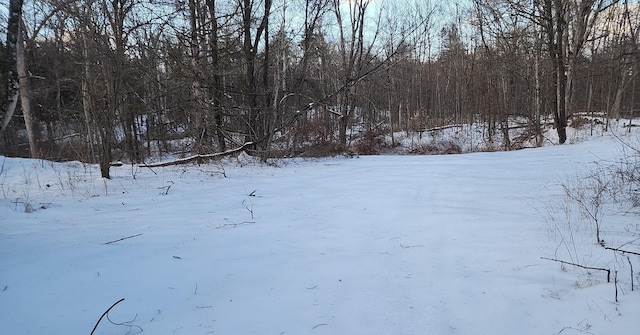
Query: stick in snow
[[124, 238], [623, 251], [581, 266], [105, 313]]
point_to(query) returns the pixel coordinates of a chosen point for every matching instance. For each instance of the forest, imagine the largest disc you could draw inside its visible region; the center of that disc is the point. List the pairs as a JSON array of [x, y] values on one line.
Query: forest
[[101, 81]]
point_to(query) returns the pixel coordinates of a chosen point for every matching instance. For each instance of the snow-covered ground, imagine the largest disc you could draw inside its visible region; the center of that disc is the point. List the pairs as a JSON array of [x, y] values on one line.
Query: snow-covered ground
[[370, 245]]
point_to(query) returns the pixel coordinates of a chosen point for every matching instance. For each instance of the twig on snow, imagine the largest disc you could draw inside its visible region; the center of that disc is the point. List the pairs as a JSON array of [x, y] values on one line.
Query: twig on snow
[[409, 246], [250, 207], [124, 238], [105, 313], [623, 251], [165, 189], [631, 266], [232, 224], [615, 281], [128, 324], [576, 329], [149, 167], [581, 266]]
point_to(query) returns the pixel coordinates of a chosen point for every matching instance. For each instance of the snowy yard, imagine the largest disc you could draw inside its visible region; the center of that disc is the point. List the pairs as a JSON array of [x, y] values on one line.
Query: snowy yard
[[369, 245]]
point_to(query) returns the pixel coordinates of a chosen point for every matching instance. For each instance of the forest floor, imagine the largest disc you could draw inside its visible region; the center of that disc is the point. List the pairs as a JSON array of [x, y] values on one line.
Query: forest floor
[[450, 244]]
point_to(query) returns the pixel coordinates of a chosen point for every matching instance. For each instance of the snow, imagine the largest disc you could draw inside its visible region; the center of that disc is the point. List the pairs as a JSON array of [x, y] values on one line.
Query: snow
[[370, 245]]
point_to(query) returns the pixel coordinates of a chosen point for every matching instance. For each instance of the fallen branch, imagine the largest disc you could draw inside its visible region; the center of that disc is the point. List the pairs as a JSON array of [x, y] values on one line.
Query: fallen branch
[[442, 127], [623, 251], [576, 329], [409, 246], [581, 266], [232, 224], [105, 313], [198, 157], [124, 238]]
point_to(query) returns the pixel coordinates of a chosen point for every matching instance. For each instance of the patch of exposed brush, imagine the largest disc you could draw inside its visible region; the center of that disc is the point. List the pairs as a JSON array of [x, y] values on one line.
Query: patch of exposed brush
[[442, 147]]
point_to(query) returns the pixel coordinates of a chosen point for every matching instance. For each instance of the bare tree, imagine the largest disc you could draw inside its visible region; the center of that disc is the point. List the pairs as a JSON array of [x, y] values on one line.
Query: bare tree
[[13, 32], [568, 25], [216, 87], [251, 37], [25, 96], [197, 92], [223, 73]]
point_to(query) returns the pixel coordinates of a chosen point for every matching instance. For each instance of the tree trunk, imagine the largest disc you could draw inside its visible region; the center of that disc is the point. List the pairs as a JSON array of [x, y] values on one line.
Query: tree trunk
[[105, 151], [561, 75], [87, 106], [25, 98], [255, 129], [537, 89], [250, 75], [199, 133], [217, 80], [617, 100], [267, 116], [344, 124], [13, 30]]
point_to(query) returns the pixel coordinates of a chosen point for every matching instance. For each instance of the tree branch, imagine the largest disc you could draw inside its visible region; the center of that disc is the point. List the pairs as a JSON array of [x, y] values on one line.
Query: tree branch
[[124, 238], [198, 157], [581, 266], [105, 313], [623, 251]]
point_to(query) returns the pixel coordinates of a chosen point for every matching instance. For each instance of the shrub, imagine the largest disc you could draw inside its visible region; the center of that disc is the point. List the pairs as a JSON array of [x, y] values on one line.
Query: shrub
[[370, 143], [436, 148]]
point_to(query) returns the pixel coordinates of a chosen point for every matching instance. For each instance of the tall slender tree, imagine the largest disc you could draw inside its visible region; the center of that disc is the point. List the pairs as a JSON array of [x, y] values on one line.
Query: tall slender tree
[[13, 32]]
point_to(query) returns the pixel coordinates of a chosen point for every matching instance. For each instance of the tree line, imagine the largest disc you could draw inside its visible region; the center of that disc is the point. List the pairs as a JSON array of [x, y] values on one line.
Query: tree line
[[106, 80]]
